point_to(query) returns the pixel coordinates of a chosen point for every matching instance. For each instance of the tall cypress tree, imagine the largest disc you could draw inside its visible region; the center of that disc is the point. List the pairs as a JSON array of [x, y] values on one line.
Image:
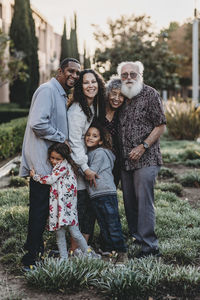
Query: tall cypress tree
[[86, 60], [73, 40], [34, 61], [65, 51], [20, 34]]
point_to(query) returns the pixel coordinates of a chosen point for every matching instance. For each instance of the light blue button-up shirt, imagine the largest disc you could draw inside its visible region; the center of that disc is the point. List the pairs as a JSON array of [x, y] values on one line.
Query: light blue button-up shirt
[[47, 123]]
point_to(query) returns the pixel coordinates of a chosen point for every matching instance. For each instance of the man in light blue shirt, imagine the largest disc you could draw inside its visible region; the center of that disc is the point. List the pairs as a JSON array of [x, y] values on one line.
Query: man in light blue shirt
[[47, 123]]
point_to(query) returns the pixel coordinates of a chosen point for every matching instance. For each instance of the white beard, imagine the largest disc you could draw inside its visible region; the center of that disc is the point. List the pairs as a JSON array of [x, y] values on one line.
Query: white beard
[[132, 90]]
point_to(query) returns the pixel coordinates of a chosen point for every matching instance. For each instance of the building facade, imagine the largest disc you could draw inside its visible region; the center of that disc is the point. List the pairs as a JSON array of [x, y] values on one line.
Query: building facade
[[49, 43]]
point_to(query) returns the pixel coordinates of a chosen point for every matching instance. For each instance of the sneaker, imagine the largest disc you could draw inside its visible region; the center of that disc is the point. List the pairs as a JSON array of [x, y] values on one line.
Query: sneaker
[[92, 254], [28, 268], [152, 252], [104, 253], [135, 241], [76, 253]]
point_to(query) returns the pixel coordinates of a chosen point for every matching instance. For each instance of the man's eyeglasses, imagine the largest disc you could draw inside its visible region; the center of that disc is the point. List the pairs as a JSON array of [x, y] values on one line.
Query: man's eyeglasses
[[133, 75]]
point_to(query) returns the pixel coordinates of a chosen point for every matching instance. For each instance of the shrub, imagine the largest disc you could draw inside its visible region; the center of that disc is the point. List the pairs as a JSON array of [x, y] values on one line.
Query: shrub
[[11, 137], [13, 197], [18, 181], [192, 163], [11, 114], [171, 187], [175, 151], [137, 280], [190, 179], [166, 173], [189, 154], [183, 120]]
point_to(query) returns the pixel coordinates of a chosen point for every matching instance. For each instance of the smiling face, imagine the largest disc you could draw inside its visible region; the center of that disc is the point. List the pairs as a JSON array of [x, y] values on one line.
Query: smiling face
[[55, 158], [90, 87], [132, 80], [115, 98], [93, 138], [129, 74], [68, 76]]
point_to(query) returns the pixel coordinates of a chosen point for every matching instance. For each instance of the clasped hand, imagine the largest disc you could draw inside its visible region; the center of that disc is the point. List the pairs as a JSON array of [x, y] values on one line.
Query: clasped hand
[[137, 152]]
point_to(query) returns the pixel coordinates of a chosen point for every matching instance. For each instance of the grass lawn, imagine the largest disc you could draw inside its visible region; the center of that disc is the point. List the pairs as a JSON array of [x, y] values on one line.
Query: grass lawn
[[176, 273]]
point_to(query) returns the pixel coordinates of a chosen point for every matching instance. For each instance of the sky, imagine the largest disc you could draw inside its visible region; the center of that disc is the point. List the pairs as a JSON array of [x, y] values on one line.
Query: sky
[[162, 12]]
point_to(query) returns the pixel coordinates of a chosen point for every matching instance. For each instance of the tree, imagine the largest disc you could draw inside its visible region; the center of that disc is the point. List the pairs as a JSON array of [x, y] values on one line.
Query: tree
[[130, 39], [179, 40], [86, 59], [73, 40], [65, 51], [22, 32], [11, 67]]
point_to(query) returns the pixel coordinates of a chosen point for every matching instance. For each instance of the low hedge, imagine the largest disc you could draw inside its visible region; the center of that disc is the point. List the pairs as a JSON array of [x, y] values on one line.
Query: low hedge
[[11, 137], [8, 115]]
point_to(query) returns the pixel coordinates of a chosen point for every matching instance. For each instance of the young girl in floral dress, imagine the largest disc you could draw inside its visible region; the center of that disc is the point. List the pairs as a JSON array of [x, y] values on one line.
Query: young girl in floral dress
[[63, 199]]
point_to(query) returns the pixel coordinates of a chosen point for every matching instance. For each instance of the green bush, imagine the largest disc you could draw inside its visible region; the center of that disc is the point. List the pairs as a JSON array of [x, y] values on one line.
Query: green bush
[[178, 152], [183, 120], [11, 137], [190, 179], [8, 115], [18, 181], [171, 187], [166, 173], [136, 280], [195, 163]]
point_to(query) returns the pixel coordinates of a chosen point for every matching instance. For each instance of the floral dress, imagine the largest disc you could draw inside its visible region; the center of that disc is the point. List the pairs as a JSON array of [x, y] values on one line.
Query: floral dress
[[63, 196]]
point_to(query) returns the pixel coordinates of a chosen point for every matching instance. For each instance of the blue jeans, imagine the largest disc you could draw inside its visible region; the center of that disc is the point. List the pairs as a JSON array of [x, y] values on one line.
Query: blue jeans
[[107, 214]]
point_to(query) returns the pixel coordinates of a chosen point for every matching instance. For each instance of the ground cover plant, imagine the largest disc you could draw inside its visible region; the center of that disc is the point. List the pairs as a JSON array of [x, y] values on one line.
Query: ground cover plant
[[176, 273]]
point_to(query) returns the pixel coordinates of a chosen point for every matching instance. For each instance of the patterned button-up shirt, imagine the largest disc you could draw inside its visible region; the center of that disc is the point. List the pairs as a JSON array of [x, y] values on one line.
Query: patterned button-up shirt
[[137, 118]]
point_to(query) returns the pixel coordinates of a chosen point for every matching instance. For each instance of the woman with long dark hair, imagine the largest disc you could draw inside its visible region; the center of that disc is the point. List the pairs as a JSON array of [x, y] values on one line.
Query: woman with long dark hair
[[88, 104]]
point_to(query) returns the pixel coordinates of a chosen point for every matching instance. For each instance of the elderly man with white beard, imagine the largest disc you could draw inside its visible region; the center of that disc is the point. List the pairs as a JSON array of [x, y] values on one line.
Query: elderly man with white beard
[[141, 123]]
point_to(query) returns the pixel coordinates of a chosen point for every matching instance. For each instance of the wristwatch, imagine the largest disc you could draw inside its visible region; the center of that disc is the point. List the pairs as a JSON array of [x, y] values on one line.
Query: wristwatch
[[146, 145]]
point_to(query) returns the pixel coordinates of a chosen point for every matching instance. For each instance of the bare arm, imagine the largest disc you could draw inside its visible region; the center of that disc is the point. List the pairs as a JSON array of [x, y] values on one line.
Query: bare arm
[[138, 151]]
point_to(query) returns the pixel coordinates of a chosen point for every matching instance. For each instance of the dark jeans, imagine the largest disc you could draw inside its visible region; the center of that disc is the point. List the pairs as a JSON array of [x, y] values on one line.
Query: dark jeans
[[38, 214], [86, 214], [107, 214], [138, 194]]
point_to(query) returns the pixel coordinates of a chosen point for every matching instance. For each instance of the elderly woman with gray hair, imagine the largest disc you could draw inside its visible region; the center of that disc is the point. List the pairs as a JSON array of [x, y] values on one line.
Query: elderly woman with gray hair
[[114, 100]]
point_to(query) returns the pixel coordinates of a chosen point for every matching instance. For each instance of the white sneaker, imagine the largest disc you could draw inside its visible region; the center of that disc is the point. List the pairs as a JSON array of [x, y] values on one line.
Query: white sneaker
[[104, 253], [92, 254], [76, 253]]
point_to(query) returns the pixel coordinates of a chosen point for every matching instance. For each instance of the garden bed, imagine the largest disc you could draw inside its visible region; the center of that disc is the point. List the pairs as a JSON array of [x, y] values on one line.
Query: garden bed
[[175, 276]]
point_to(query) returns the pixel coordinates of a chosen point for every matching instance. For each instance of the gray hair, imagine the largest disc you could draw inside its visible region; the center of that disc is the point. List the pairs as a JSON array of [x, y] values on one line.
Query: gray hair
[[137, 64], [114, 83]]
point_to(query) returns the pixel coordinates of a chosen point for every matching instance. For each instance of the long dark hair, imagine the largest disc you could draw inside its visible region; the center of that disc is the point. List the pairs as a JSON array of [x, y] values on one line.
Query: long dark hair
[[105, 136], [99, 100], [64, 150]]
